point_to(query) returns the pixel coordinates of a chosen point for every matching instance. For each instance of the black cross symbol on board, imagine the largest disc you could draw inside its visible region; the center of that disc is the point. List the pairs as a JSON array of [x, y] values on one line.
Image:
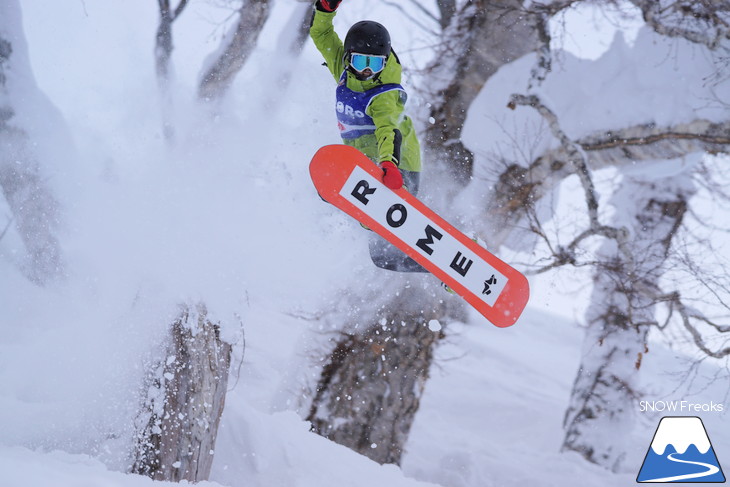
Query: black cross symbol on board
[[489, 282]]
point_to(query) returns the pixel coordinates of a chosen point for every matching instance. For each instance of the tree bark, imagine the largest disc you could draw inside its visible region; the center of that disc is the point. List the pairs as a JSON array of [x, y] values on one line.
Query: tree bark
[[185, 396], [370, 388], [482, 37], [601, 411], [628, 265], [236, 49]]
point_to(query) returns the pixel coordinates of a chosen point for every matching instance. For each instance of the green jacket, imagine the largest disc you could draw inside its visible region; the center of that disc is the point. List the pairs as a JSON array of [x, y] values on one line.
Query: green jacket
[[385, 109]]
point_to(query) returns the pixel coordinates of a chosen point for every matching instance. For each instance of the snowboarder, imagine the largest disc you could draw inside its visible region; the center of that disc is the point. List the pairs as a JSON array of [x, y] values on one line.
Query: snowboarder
[[370, 98]]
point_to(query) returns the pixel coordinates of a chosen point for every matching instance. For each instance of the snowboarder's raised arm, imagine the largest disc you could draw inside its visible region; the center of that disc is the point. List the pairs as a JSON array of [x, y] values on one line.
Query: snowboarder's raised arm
[[325, 38]]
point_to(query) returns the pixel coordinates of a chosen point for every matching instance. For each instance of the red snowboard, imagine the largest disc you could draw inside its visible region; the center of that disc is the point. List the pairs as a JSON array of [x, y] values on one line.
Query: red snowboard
[[349, 180]]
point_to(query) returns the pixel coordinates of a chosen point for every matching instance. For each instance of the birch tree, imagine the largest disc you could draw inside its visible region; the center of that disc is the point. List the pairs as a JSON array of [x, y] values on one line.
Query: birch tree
[[626, 286], [621, 313], [628, 266], [183, 399], [626, 291]]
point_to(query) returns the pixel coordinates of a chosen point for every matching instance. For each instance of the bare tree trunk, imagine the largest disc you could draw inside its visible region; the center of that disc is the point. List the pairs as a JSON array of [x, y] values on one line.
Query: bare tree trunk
[[482, 37], [628, 266], [35, 209], [236, 48], [622, 308], [185, 395], [370, 388], [163, 54]]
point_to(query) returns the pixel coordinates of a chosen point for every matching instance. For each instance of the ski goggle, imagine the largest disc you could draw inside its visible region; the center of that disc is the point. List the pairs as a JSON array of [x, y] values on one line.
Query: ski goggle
[[361, 62]]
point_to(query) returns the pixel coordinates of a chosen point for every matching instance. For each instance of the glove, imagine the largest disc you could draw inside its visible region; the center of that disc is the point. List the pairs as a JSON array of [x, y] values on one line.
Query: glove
[[392, 177], [328, 5]]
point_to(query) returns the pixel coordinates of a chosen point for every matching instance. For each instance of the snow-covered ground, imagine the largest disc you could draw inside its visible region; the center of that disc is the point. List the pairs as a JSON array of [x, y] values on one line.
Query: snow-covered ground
[[491, 416], [229, 216]]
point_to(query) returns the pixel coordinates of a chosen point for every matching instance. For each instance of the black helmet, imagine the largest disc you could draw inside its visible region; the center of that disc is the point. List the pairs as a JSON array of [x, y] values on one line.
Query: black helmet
[[368, 37]]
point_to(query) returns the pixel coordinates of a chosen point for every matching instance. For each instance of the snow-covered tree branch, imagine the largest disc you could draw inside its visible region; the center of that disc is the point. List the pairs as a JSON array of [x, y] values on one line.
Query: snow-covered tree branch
[[521, 187], [702, 21]]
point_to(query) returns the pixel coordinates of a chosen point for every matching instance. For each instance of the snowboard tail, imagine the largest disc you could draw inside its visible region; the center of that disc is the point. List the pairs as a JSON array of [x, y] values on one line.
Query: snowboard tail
[[349, 180]]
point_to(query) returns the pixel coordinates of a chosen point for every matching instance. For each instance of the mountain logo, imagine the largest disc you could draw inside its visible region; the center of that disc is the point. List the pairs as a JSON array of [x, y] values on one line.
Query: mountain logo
[[680, 452]]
